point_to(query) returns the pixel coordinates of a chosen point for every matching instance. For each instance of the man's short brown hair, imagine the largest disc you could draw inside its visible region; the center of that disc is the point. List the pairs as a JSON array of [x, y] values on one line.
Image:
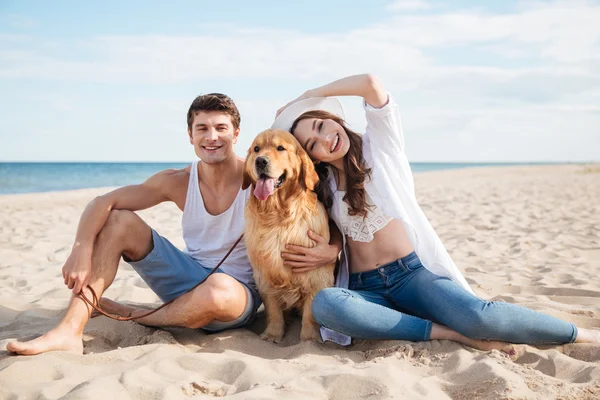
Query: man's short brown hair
[[214, 102]]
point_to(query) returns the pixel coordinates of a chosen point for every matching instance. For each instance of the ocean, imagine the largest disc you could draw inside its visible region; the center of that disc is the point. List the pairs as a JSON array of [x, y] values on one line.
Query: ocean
[[44, 177]]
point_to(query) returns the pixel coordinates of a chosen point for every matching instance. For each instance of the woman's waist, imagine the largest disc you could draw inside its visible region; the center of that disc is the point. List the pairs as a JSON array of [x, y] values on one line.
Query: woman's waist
[[385, 274], [368, 258], [389, 244]]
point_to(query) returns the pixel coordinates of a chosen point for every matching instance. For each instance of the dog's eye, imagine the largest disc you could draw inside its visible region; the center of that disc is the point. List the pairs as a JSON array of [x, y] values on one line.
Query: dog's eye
[[280, 148], [256, 149]]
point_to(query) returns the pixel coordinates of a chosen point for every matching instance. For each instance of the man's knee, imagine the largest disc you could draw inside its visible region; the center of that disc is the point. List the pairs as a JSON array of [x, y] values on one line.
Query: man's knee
[[127, 230], [220, 297], [119, 222], [222, 292]]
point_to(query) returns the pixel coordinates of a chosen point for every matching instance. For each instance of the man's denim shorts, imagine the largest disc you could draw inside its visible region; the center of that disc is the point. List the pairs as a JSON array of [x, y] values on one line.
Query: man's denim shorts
[[170, 272]]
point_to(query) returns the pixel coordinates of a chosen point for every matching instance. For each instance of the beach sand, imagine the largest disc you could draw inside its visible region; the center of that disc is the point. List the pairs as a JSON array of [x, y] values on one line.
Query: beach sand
[[524, 235]]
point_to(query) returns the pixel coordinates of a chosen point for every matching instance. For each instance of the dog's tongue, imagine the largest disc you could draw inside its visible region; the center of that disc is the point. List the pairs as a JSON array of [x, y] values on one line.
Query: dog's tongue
[[264, 188]]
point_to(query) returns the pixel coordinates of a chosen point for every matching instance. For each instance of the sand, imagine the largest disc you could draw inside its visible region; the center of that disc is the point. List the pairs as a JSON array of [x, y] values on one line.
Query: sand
[[525, 235]]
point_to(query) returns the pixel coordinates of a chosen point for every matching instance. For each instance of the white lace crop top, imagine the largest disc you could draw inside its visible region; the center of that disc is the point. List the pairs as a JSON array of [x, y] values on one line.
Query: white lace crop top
[[356, 227]]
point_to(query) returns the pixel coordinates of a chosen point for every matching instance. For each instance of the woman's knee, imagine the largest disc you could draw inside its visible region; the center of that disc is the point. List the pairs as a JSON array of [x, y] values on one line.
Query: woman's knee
[[327, 302], [478, 322]]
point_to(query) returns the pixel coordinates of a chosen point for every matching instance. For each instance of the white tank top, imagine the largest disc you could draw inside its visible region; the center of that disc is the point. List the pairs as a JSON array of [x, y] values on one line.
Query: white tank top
[[209, 237]]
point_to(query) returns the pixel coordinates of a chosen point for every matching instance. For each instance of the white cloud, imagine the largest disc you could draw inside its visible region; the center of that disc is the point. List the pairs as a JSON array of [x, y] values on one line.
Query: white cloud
[[538, 90], [165, 59], [402, 5], [556, 33]]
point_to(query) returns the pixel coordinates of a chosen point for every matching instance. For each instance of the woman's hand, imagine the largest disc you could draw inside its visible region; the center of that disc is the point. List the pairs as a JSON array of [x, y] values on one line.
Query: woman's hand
[[304, 259]]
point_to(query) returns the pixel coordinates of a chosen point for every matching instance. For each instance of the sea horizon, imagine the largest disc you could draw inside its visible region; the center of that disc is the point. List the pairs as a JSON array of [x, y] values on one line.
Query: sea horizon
[[48, 176]]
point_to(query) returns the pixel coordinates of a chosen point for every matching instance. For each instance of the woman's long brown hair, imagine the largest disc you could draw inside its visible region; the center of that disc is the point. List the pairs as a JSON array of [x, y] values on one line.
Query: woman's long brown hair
[[354, 164]]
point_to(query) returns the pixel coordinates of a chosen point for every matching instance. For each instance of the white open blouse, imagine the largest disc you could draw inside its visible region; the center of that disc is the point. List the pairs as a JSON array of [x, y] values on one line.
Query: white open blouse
[[391, 190]]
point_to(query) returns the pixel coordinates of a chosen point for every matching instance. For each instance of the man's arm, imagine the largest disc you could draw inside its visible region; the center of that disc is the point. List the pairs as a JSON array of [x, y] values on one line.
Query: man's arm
[[78, 267]]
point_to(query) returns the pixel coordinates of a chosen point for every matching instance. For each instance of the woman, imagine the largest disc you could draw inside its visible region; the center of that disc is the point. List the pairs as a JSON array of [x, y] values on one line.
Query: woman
[[395, 277]]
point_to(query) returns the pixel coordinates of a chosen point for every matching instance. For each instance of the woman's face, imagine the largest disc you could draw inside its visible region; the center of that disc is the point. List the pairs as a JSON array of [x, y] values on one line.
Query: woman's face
[[324, 139]]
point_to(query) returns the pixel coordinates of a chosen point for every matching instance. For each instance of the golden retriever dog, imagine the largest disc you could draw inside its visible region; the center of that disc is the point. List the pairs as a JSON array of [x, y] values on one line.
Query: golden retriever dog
[[281, 210]]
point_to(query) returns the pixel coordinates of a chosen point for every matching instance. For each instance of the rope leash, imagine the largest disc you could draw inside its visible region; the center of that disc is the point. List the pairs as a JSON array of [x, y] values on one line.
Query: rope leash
[[95, 302]]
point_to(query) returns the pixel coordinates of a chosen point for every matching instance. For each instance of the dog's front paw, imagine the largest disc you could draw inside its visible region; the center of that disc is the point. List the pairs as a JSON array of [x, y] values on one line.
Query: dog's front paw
[[272, 337], [310, 333]]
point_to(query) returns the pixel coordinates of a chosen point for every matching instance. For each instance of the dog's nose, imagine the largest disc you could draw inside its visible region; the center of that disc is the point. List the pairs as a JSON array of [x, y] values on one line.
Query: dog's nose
[[261, 162]]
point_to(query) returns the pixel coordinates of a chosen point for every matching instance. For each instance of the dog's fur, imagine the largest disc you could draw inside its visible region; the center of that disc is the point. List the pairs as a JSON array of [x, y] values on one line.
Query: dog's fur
[[284, 218]]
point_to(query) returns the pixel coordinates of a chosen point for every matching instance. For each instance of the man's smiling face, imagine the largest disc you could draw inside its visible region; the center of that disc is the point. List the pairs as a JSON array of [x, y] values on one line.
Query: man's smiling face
[[213, 136]]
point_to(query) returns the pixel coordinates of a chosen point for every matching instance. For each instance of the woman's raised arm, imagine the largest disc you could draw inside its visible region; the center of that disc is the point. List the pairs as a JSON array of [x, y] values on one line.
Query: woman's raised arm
[[367, 86]]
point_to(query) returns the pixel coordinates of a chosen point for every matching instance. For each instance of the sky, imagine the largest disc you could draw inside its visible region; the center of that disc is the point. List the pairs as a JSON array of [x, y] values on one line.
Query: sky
[[493, 81]]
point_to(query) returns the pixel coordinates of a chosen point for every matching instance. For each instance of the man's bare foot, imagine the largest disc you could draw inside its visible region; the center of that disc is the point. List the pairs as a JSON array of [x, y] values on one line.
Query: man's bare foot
[[59, 338], [587, 336]]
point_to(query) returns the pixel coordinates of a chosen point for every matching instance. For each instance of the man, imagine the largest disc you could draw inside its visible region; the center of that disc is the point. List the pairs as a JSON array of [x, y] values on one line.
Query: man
[[209, 194]]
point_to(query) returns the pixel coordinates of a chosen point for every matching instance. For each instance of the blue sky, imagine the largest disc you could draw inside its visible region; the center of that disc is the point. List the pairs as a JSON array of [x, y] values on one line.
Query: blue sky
[[476, 81]]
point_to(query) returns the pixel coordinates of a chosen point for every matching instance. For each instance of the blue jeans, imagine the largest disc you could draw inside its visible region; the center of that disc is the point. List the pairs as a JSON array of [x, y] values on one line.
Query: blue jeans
[[400, 299]]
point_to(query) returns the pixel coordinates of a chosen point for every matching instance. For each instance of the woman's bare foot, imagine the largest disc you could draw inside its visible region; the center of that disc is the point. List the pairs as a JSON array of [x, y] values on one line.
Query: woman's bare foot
[[587, 336], [488, 345], [443, 332], [59, 338]]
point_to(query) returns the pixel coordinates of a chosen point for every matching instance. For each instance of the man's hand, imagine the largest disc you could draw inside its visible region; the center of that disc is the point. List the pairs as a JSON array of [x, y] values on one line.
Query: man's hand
[[78, 267], [304, 259], [77, 270]]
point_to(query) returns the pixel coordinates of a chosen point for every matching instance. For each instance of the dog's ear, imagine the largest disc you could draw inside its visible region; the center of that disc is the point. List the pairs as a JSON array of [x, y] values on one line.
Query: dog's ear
[[308, 175], [245, 176]]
